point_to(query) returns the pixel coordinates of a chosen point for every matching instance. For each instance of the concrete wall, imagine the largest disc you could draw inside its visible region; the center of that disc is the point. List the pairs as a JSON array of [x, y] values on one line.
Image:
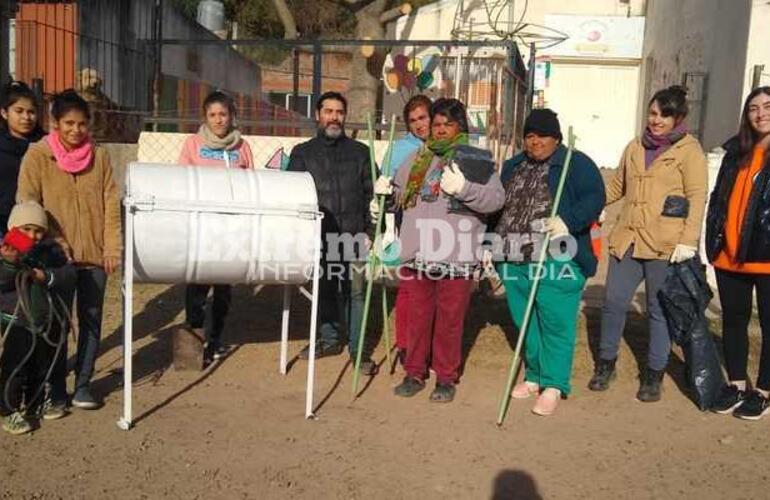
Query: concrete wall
[[217, 65], [759, 43], [709, 36]]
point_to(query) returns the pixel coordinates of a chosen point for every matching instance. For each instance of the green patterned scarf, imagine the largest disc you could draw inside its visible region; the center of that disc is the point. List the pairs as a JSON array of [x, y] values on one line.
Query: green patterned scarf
[[444, 148]]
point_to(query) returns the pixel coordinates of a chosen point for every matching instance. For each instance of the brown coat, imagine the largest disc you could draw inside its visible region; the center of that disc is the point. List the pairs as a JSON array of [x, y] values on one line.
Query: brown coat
[[83, 208], [680, 171]]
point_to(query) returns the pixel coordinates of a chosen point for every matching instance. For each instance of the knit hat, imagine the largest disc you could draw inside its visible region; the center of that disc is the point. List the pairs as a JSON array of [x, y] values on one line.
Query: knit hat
[[28, 212], [544, 123]]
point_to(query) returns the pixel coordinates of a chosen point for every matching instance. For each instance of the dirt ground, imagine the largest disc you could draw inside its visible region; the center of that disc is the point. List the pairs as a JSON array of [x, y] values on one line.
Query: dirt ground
[[237, 429]]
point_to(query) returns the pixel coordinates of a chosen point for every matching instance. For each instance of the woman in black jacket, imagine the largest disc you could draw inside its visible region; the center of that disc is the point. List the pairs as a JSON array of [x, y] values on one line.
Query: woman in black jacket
[[18, 128], [738, 246]]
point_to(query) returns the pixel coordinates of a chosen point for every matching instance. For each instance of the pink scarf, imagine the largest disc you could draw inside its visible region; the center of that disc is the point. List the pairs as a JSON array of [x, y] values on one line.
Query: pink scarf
[[74, 161]]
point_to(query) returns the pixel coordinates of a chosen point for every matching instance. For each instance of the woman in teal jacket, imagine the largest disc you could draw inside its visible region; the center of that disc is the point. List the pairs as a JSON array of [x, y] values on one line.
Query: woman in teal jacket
[[530, 180]]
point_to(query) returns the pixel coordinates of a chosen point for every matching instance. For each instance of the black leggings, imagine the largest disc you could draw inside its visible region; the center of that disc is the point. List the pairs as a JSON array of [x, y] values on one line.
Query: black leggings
[[736, 291], [29, 377]]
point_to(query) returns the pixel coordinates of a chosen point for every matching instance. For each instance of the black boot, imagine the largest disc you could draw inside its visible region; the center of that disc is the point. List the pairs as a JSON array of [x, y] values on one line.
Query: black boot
[[649, 389], [604, 373]]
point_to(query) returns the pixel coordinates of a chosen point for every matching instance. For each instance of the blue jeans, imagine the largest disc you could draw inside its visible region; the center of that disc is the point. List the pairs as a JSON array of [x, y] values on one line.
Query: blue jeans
[[89, 290], [341, 302]]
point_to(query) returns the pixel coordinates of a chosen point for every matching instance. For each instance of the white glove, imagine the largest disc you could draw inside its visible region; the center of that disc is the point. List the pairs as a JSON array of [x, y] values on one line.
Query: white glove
[[452, 180], [374, 209], [602, 217], [383, 186], [487, 259], [556, 227], [538, 225], [682, 253]]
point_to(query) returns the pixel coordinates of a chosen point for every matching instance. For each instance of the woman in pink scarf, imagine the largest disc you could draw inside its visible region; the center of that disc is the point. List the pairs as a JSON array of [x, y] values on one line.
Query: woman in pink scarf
[[71, 177]]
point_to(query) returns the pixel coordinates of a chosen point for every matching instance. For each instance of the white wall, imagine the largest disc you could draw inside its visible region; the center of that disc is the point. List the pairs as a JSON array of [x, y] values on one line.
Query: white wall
[[435, 21], [708, 36], [759, 43]]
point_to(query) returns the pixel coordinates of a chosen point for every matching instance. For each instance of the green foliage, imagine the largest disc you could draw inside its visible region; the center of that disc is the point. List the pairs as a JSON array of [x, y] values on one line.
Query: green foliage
[[314, 18]]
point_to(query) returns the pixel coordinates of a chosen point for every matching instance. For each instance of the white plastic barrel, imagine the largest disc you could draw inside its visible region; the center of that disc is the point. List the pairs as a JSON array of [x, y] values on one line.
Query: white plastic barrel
[[218, 225]]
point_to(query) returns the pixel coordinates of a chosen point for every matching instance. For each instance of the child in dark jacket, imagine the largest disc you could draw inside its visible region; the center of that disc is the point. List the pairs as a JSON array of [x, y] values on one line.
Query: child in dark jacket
[[37, 285]]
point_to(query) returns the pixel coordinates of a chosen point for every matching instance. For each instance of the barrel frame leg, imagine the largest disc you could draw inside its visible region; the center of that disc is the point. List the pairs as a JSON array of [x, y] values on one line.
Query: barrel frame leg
[[313, 323], [285, 329], [125, 421]]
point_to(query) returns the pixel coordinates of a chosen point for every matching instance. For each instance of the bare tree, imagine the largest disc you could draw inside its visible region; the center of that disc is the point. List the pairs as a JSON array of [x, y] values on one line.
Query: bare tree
[[371, 16], [287, 19]]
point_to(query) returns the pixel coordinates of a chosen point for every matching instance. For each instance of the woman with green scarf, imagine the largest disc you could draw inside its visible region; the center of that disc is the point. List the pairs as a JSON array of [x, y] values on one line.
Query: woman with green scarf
[[444, 218]]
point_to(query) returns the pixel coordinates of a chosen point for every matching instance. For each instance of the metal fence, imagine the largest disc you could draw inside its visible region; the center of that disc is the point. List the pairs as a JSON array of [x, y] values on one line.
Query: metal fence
[[104, 50], [145, 66], [276, 84]]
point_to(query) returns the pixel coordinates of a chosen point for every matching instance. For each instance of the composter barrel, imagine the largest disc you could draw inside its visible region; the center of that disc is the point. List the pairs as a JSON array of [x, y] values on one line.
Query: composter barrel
[[223, 225]]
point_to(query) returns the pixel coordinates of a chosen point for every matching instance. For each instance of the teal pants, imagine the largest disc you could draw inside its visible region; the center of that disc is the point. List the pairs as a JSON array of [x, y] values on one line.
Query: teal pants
[[549, 345]]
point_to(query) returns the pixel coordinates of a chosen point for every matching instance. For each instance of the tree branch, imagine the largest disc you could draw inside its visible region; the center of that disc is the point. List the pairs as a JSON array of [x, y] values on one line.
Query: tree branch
[[389, 15], [287, 19]]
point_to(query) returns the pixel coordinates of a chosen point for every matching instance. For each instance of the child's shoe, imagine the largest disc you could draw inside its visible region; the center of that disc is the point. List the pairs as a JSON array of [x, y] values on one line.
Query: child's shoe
[[16, 424]]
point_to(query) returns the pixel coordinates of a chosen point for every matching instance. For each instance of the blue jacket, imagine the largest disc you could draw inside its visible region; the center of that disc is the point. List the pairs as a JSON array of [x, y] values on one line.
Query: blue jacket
[[402, 149], [582, 198]]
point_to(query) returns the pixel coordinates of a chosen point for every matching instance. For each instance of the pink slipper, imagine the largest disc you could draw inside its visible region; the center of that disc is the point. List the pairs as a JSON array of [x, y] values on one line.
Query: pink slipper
[[525, 389], [547, 402]]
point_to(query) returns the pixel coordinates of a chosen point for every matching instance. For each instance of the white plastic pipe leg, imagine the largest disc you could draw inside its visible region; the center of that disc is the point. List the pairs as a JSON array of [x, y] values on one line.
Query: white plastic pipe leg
[[285, 329], [313, 323], [128, 323]]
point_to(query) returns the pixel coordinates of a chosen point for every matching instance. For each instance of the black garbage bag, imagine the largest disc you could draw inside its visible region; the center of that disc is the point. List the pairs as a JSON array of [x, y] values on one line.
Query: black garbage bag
[[476, 164], [684, 298]]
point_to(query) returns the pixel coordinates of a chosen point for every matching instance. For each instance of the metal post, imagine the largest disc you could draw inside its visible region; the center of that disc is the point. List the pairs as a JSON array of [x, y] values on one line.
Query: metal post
[[531, 77], [295, 92], [158, 70], [285, 329], [317, 71], [458, 73], [128, 324], [756, 75], [6, 13]]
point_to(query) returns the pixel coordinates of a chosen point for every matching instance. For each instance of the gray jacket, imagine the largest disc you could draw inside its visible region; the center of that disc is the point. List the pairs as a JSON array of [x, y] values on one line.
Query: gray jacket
[[436, 232]]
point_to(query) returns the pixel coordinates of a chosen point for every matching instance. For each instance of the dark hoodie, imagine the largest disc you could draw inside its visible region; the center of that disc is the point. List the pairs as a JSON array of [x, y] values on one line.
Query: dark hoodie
[[12, 150]]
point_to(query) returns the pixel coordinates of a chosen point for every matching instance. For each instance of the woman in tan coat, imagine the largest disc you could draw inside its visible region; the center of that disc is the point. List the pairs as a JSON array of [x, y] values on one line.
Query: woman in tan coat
[[71, 178], [663, 179]]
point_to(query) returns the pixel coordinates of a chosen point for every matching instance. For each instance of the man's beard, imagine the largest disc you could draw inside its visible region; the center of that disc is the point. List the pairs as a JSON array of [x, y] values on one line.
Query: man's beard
[[333, 130]]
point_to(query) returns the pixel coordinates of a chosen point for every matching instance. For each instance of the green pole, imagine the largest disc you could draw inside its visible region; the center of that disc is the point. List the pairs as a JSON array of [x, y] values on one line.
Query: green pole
[[386, 173], [515, 361], [371, 261]]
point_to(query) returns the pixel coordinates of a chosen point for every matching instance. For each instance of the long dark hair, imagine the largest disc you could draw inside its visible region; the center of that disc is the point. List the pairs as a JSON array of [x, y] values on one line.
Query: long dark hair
[[12, 93], [453, 109], [747, 136]]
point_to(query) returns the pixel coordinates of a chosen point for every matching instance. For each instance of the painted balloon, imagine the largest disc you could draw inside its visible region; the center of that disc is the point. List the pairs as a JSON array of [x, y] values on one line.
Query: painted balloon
[[392, 80], [414, 66], [409, 81], [400, 62], [429, 63], [424, 80]]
